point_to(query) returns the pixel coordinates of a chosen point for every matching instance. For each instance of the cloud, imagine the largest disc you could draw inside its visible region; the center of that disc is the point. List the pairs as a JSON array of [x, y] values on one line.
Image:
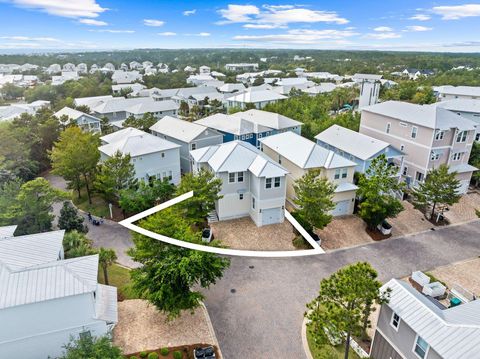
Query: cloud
[[456, 12], [189, 12], [420, 17], [92, 22], [74, 9], [383, 29], [111, 31], [383, 35], [27, 38], [153, 22], [417, 28], [167, 33], [277, 16], [263, 26], [24, 42], [299, 36], [202, 34]]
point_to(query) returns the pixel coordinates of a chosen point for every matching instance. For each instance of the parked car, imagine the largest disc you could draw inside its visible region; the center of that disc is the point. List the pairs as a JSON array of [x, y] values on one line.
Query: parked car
[[205, 352], [207, 235]]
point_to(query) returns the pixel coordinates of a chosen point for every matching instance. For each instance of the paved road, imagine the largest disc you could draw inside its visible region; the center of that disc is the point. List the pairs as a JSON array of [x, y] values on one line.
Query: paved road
[[257, 308]]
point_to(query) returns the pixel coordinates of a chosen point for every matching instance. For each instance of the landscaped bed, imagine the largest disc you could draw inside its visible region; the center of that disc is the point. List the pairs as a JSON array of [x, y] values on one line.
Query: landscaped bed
[[98, 207], [178, 352], [324, 351]]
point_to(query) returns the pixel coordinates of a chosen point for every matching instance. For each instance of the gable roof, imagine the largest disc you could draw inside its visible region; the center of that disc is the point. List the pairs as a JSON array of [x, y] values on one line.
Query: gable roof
[[460, 105], [453, 333], [267, 119], [7, 231], [354, 143], [238, 156], [303, 152], [459, 90], [430, 116], [179, 129], [231, 124], [91, 101], [118, 135], [73, 114], [254, 96]]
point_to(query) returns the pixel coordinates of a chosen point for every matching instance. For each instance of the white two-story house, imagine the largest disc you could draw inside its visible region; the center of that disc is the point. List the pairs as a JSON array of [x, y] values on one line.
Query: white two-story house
[[45, 300], [252, 184], [152, 157], [190, 136], [428, 136], [83, 120], [299, 155]]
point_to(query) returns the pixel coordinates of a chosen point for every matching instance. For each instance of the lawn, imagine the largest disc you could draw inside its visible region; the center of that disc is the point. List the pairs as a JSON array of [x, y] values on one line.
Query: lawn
[[98, 208], [119, 277], [327, 351]]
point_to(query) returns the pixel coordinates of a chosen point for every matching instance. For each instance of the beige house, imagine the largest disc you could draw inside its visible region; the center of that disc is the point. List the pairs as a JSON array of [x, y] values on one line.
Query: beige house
[[299, 155], [427, 134]]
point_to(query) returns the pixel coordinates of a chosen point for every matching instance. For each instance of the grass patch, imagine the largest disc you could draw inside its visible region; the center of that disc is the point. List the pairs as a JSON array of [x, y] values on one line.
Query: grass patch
[[301, 243], [119, 277], [327, 351], [98, 208], [435, 279]]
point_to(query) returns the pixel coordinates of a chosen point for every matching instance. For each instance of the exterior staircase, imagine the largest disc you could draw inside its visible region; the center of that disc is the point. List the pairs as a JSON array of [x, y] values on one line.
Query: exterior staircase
[[212, 217]]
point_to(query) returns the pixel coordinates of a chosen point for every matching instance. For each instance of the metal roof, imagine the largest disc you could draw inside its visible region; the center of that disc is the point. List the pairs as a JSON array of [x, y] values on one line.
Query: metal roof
[[267, 119], [231, 124], [73, 114], [238, 156], [254, 96], [461, 105], [303, 152], [7, 231], [118, 135], [182, 130], [106, 303], [459, 90], [351, 142]]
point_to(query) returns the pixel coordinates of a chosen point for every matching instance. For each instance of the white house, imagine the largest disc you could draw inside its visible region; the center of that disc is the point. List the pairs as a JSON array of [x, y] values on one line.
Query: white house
[[135, 88], [466, 108], [204, 70], [259, 98], [8, 113], [242, 67], [152, 157], [126, 77], [231, 88], [369, 88], [299, 155], [324, 87], [46, 299], [190, 136], [83, 120], [458, 92], [252, 184]]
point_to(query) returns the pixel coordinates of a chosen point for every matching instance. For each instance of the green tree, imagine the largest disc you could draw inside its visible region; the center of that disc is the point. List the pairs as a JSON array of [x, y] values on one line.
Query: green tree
[[314, 196], [438, 190], [76, 244], [106, 257], [341, 304], [145, 195], [105, 126], [377, 189], [11, 91], [184, 109], [143, 123], [75, 157], [115, 174], [33, 206], [88, 346], [474, 160], [205, 189], [70, 220], [168, 273], [8, 197]]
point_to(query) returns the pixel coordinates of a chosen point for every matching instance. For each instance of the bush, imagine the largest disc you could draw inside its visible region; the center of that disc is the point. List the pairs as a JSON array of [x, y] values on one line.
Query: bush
[[177, 355], [143, 354], [133, 357], [153, 355], [164, 351]]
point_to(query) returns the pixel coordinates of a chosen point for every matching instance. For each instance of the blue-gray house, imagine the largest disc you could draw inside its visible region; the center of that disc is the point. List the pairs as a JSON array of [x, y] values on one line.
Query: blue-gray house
[[357, 147], [250, 126]]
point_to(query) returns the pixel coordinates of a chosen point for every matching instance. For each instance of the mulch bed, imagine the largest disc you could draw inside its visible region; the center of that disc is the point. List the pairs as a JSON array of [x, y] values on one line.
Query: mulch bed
[[364, 343], [376, 235], [186, 350]]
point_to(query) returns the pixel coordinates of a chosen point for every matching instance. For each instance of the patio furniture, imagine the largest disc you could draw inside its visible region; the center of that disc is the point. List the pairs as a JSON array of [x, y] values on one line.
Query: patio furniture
[[420, 278], [434, 289]]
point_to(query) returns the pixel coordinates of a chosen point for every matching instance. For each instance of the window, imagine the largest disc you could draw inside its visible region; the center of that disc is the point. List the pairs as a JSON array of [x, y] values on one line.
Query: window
[[259, 135], [419, 176], [231, 177], [193, 146], [240, 196], [387, 129], [344, 173], [268, 183], [414, 132], [462, 136], [170, 175], [439, 135], [253, 202], [395, 321], [239, 176], [405, 170], [276, 184], [477, 137], [421, 347], [402, 147], [457, 156], [434, 156], [85, 335], [337, 173], [163, 154], [164, 175]]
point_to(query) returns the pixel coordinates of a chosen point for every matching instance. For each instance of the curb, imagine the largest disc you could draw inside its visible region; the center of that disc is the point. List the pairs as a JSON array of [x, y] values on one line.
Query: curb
[[306, 348], [211, 330]]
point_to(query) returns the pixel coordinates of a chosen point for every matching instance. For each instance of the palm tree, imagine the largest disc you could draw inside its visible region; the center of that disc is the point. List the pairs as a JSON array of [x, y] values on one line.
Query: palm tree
[[106, 258]]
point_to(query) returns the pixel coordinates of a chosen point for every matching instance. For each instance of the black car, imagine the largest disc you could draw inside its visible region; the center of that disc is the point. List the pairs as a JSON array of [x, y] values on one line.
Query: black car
[[206, 352]]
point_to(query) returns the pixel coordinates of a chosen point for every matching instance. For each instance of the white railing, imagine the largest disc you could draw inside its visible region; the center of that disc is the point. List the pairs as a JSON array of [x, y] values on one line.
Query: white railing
[[358, 349]]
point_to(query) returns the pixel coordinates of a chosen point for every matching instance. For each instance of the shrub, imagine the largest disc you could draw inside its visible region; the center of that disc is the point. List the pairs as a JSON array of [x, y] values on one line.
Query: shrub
[[177, 355], [143, 354], [164, 351], [133, 357], [153, 355]]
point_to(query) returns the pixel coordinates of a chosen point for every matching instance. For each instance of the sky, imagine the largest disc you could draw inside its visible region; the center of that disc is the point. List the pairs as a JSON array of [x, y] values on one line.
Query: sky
[[407, 25]]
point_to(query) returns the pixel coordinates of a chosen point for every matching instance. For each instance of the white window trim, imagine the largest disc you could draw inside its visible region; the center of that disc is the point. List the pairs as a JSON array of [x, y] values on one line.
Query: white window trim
[[416, 132], [271, 183], [388, 127], [415, 344], [391, 321], [234, 177]]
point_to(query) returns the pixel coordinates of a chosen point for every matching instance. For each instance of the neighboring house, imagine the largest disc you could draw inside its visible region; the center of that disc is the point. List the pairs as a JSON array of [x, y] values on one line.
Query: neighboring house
[[445, 93], [193, 95], [83, 120], [135, 88], [8, 113], [231, 88], [250, 126], [109, 67], [414, 74], [53, 69], [427, 134], [64, 77], [413, 325], [204, 70], [241, 67], [369, 89], [324, 87], [151, 156], [466, 108], [126, 77], [7, 231], [119, 108], [46, 300], [252, 184], [299, 155], [190, 136], [257, 98], [357, 147], [92, 101]]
